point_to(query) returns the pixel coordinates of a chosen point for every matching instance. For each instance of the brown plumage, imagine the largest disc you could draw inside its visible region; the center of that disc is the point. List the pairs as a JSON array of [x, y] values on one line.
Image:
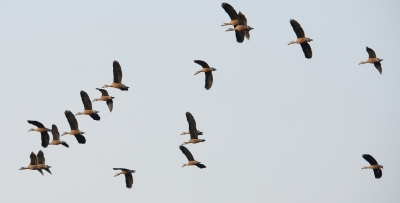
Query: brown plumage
[[117, 78], [73, 123], [301, 39], [189, 156], [208, 72], [88, 107], [33, 165], [241, 29], [128, 176], [56, 137], [41, 162], [232, 14], [192, 130], [105, 97], [373, 59], [43, 132], [373, 165]]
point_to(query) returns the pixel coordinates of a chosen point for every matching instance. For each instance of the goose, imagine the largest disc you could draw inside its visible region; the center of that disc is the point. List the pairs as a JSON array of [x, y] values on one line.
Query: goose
[[41, 162], [88, 107], [105, 97], [301, 39], [232, 14], [373, 165], [198, 133], [56, 137], [241, 29], [208, 71], [372, 59], [117, 78], [43, 132], [192, 130], [33, 165], [73, 123], [128, 176], [189, 156]]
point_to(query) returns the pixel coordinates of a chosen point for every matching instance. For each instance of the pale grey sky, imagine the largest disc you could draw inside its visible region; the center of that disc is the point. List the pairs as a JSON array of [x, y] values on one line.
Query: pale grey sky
[[279, 127]]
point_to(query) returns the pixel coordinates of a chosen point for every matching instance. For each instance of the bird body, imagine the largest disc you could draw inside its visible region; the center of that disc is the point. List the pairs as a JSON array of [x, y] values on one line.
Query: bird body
[[208, 72], [192, 130], [33, 164], [241, 29], [56, 137], [73, 123], [232, 14], [105, 97], [373, 165], [128, 176], [373, 59], [43, 132], [88, 107], [117, 78], [301, 39], [189, 156], [41, 162]]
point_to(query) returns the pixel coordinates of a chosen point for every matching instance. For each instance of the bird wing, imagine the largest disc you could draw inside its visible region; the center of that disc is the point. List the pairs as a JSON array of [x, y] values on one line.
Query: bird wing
[[192, 125], [129, 180], [65, 144], [33, 159], [230, 11], [54, 131], [201, 165], [110, 104], [117, 72], [123, 169], [186, 152], [86, 101], [80, 138], [246, 34], [242, 19], [307, 50], [40, 157], [45, 139], [48, 170], [371, 53], [209, 80], [95, 116], [239, 36], [378, 66], [36, 123], [370, 159], [103, 92], [73, 123], [378, 173], [202, 63], [297, 28]]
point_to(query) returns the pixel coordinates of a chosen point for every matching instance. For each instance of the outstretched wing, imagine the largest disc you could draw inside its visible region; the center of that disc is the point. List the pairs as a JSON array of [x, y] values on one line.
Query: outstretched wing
[[54, 131], [239, 36], [45, 139], [201, 165], [80, 138], [73, 123], [202, 63], [86, 101], [110, 104], [117, 72], [378, 173], [242, 19], [297, 28], [186, 152], [123, 169], [230, 11], [378, 66], [209, 80], [95, 116], [36, 123], [103, 92], [370, 159], [33, 159], [192, 125], [129, 180], [307, 50], [371, 53], [40, 157]]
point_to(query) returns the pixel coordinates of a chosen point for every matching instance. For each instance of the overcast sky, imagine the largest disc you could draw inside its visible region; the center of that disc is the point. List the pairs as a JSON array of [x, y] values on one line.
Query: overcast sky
[[278, 127]]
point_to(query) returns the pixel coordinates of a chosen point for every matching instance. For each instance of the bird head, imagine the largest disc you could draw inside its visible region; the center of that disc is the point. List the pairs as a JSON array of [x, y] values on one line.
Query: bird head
[[79, 113], [64, 133], [309, 40], [249, 28], [213, 69]]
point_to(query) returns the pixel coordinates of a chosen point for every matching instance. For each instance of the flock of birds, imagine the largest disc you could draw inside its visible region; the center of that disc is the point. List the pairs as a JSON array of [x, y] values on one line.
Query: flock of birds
[[242, 30]]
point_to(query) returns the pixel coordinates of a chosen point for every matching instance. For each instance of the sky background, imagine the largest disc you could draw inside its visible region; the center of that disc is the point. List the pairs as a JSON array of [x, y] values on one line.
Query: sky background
[[279, 127]]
